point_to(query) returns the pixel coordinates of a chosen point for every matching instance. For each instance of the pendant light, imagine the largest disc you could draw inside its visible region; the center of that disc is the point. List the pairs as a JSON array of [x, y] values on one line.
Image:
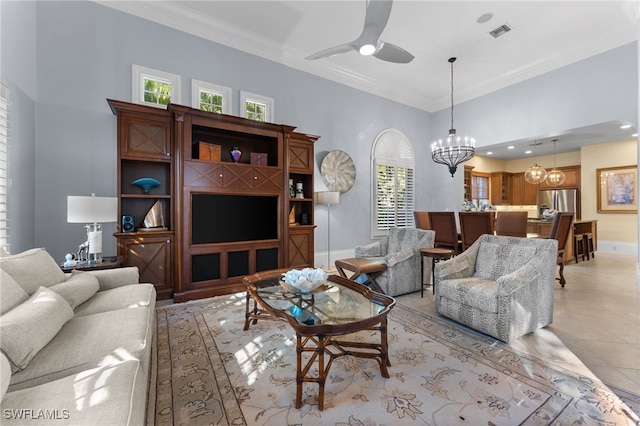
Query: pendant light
[[555, 177], [454, 150], [535, 174]]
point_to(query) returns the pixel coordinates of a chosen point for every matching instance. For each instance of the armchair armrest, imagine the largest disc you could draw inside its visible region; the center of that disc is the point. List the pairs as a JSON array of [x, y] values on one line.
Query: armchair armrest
[[400, 256], [460, 266], [525, 276], [374, 249], [117, 277]]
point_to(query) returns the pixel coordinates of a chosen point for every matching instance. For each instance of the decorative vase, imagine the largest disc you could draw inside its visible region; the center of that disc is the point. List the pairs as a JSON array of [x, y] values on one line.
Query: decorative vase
[[235, 153]]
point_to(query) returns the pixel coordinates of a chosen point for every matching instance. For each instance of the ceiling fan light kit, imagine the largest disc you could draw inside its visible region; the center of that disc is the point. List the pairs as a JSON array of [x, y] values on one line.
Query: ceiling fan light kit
[[454, 150], [369, 43]]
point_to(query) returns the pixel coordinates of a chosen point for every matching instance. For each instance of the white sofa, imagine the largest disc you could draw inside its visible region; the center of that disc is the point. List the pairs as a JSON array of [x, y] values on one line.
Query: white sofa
[[74, 348]]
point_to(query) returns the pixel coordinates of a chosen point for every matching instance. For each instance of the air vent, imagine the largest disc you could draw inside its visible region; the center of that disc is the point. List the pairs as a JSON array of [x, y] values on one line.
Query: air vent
[[502, 29]]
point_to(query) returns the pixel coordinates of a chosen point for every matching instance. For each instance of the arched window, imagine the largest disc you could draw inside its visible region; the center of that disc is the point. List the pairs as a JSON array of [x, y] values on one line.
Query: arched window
[[393, 166]]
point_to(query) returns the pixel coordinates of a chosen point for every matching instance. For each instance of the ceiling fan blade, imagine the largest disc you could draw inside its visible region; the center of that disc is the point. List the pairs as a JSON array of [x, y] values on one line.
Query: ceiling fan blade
[[336, 50], [392, 53], [378, 12]]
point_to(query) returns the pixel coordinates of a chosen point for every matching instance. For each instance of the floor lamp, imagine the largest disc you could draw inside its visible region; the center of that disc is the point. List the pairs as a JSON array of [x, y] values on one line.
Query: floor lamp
[[328, 198]]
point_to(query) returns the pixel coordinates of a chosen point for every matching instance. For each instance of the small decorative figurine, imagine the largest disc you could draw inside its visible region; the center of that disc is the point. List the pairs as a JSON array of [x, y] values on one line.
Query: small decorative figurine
[[299, 190]]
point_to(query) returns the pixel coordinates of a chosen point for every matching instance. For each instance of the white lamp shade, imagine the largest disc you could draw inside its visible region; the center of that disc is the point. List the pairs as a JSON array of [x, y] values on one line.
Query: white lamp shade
[[91, 209], [328, 197]]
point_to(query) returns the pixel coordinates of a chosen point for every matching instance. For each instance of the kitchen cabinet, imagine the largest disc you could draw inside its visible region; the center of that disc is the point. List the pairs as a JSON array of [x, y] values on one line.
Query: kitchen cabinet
[[572, 174], [468, 188], [500, 188], [523, 192]]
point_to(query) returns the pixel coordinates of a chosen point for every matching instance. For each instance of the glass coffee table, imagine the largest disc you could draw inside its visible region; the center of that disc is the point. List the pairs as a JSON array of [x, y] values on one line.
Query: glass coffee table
[[322, 320]]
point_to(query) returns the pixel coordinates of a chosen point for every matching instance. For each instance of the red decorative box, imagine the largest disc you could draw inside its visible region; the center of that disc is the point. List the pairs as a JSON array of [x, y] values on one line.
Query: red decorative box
[[259, 158]]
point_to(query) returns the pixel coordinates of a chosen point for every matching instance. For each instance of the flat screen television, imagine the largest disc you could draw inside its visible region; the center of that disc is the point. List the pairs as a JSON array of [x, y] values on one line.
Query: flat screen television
[[221, 218]]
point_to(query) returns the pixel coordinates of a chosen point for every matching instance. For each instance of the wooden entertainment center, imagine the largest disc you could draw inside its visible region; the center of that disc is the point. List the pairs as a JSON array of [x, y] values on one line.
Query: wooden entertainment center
[[224, 219]]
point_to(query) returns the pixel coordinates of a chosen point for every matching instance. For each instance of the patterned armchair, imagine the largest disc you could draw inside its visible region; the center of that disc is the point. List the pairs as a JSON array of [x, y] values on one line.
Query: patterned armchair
[[501, 286], [401, 253]]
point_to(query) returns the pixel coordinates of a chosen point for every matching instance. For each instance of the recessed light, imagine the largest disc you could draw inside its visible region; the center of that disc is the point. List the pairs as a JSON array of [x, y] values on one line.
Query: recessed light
[[635, 135], [528, 152], [510, 147], [625, 126], [490, 153], [484, 18]]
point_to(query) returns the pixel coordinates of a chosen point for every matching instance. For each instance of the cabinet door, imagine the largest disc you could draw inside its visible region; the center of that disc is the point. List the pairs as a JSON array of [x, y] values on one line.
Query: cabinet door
[[203, 174], [572, 175], [530, 193], [300, 156], [145, 138], [152, 256], [517, 194], [300, 247]]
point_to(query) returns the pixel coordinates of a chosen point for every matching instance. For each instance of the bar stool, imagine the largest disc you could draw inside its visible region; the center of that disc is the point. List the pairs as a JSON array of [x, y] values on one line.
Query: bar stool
[[579, 247], [588, 244], [436, 254]]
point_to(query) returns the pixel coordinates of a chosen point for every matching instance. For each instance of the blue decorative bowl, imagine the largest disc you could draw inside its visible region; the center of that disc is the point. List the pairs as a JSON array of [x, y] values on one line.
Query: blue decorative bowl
[[146, 184]]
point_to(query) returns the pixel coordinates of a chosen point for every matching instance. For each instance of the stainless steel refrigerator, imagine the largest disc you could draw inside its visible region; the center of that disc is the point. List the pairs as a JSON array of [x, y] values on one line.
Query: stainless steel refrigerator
[[564, 200]]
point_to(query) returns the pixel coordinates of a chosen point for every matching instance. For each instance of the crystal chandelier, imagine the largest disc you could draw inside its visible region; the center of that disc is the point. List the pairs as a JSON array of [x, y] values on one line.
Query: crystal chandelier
[[555, 177], [535, 174], [454, 150]]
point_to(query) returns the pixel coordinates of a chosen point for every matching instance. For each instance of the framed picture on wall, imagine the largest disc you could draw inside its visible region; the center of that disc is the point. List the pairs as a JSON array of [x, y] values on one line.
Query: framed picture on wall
[[617, 189]]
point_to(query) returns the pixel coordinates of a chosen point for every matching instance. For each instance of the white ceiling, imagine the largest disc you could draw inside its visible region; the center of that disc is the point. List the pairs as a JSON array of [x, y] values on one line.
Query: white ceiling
[[546, 35]]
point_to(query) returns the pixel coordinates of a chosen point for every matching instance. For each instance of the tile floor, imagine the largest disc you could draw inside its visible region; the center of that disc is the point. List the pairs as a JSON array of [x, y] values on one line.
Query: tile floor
[[596, 325]]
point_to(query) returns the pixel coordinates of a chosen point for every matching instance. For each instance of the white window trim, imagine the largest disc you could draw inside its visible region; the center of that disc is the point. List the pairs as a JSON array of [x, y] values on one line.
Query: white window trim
[[139, 73], [197, 86], [252, 97], [5, 108], [391, 148]]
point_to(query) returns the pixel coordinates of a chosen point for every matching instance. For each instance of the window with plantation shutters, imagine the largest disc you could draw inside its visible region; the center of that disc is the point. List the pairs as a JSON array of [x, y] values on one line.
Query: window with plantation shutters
[[4, 178], [393, 192]]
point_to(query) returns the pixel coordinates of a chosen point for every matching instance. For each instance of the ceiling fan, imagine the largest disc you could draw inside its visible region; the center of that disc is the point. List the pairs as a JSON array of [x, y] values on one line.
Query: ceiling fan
[[369, 43]]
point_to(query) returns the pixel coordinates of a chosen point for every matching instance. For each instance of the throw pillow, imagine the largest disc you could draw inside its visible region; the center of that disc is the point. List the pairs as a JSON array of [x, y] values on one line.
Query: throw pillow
[[496, 260], [27, 328], [78, 288], [32, 269], [11, 294]]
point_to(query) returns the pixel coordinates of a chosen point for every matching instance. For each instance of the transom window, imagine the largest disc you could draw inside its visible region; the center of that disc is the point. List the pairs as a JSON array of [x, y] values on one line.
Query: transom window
[[154, 87], [393, 182], [256, 107], [210, 97]]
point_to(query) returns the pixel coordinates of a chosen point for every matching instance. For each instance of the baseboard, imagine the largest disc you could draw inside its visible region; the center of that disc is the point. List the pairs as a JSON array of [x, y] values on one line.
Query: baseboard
[[322, 257], [617, 247]]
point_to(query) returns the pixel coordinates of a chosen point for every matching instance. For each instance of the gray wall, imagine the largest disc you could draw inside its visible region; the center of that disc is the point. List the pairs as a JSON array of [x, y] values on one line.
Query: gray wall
[[84, 54]]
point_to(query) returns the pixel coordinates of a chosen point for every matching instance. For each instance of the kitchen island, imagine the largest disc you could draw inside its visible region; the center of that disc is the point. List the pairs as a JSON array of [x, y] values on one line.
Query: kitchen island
[[542, 227]]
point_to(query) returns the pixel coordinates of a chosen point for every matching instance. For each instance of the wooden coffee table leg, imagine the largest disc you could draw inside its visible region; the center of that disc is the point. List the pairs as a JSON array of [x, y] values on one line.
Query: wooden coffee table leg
[[384, 349], [299, 374]]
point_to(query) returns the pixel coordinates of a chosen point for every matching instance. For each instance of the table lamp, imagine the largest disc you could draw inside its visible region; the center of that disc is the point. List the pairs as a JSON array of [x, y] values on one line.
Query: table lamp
[[90, 211], [328, 198]]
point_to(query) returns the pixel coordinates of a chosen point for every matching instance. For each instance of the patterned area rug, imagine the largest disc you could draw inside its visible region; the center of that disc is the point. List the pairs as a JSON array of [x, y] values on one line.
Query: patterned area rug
[[210, 371]]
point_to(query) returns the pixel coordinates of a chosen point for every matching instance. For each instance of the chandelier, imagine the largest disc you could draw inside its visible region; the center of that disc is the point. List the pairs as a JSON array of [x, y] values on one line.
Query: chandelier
[[555, 177], [535, 174], [454, 150]]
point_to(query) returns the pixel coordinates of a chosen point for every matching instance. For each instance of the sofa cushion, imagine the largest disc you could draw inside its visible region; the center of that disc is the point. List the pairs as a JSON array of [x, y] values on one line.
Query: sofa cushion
[[88, 342], [32, 269], [11, 294], [78, 288], [497, 260], [5, 375], [109, 395], [28, 327], [130, 296]]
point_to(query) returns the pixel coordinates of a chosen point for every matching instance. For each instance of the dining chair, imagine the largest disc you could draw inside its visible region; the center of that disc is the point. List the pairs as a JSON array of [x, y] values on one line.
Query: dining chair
[[512, 224], [444, 224], [421, 219], [474, 224], [560, 230]]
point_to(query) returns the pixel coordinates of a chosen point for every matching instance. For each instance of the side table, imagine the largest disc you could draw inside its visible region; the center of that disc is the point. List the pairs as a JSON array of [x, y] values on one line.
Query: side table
[[108, 262], [436, 254], [372, 268]]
